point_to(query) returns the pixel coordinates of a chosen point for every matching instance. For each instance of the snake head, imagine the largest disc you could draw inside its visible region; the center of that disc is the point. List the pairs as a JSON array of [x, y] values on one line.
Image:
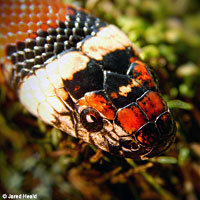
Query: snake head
[[140, 130]]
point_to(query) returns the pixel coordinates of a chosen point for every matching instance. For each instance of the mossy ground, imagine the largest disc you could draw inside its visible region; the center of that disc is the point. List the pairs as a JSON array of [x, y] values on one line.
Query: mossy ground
[[38, 159]]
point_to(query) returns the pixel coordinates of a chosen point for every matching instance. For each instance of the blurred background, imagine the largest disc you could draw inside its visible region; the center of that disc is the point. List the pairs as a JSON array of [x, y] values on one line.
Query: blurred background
[[38, 159]]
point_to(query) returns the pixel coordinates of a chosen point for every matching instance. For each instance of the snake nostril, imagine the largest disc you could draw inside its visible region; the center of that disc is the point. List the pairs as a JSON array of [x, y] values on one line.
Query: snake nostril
[[165, 124], [147, 135]]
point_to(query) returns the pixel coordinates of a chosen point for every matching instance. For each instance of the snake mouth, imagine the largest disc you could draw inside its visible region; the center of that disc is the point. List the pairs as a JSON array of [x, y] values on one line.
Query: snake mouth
[[162, 146], [130, 147], [145, 153]]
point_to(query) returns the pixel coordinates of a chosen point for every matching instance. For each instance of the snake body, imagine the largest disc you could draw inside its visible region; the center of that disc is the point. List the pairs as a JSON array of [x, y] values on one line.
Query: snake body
[[78, 73]]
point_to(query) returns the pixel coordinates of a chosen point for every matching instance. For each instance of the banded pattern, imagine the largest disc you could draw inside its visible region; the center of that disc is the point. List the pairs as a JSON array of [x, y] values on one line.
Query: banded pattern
[[82, 75], [39, 38]]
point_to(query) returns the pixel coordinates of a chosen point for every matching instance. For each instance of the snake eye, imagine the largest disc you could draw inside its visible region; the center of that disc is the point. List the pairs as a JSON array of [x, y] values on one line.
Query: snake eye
[[91, 120]]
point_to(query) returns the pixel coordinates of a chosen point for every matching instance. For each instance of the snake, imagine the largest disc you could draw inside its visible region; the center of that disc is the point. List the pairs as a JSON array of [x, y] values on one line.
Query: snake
[[83, 76]]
